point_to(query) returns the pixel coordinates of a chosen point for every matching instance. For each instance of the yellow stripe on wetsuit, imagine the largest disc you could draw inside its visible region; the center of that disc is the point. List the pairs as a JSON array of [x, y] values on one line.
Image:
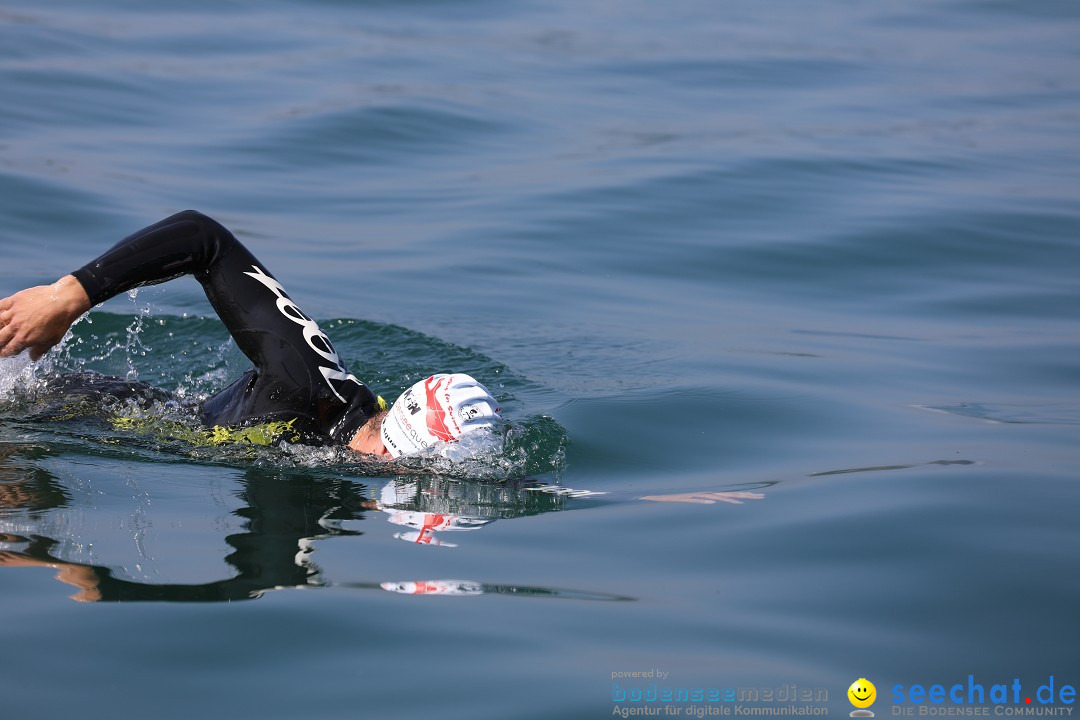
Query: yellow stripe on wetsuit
[[263, 434]]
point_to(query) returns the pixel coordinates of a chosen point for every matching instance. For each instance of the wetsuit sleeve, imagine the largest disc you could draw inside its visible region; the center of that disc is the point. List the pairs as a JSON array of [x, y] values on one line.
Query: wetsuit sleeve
[[296, 365], [188, 243]]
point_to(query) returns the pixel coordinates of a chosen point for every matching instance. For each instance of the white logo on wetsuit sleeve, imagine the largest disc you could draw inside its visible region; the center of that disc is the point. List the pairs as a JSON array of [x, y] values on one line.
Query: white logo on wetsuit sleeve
[[315, 338]]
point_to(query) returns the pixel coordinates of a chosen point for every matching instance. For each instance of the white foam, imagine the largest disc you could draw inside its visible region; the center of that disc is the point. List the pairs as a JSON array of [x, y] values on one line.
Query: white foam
[[16, 374]]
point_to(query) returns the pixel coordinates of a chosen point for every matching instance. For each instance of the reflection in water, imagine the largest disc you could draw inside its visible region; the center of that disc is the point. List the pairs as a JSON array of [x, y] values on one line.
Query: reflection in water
[[430, 504], [283, 513], [468, 587], [24, 485], [732, 497]]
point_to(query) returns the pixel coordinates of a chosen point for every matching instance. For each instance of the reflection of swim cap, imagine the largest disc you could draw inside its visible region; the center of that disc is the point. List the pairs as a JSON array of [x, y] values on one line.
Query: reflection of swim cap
[[435, 587], [441, 408]]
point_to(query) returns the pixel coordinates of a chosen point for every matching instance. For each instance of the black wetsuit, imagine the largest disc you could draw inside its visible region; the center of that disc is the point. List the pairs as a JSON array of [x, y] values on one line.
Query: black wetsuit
[[298, 375]]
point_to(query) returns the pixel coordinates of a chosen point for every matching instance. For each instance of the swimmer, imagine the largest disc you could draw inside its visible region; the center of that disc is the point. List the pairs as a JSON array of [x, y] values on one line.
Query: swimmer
[[298, 384]]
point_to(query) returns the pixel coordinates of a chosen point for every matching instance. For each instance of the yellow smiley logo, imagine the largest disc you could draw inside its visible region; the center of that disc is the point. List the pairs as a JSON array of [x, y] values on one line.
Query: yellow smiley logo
[[862, 693]]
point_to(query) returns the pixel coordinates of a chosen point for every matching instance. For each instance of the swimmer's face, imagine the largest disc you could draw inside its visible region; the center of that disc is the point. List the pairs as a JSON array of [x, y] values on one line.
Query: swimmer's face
[[862, 693], [367, 439]]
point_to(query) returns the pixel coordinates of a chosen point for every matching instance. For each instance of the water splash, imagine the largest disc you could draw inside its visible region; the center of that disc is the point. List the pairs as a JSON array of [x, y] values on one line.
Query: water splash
[[15, 374], [134, 345]]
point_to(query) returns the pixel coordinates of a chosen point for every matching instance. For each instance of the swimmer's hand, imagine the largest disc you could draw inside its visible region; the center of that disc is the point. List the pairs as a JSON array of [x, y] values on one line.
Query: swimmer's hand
[[735, 497], [37, 318]]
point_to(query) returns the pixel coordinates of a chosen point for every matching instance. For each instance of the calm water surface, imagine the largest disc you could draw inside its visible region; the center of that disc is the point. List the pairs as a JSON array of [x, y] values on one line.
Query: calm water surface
[[813, 263]]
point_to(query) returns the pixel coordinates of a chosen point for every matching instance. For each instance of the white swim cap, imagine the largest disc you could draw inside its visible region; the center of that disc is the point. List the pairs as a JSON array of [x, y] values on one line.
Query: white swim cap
[[441, 408]]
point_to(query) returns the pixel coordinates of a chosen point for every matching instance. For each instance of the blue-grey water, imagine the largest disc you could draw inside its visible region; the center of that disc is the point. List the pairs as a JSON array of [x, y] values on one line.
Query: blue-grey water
[[811, 264]]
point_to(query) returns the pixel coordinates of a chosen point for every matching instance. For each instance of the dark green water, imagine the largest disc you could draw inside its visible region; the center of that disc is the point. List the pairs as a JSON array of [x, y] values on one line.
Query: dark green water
[[815, 263]]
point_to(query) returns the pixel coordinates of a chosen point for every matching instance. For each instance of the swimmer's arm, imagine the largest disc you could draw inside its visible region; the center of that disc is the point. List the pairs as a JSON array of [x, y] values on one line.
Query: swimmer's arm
[[37, 318], [187, 243], [190, 243]]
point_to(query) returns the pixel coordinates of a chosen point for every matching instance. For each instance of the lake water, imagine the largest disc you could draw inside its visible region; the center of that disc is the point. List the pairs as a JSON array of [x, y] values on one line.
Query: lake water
[[814, 263]]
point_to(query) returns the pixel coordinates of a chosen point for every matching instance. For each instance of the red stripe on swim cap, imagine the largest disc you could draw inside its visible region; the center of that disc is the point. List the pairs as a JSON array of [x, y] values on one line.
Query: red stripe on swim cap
[[435, 422]]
